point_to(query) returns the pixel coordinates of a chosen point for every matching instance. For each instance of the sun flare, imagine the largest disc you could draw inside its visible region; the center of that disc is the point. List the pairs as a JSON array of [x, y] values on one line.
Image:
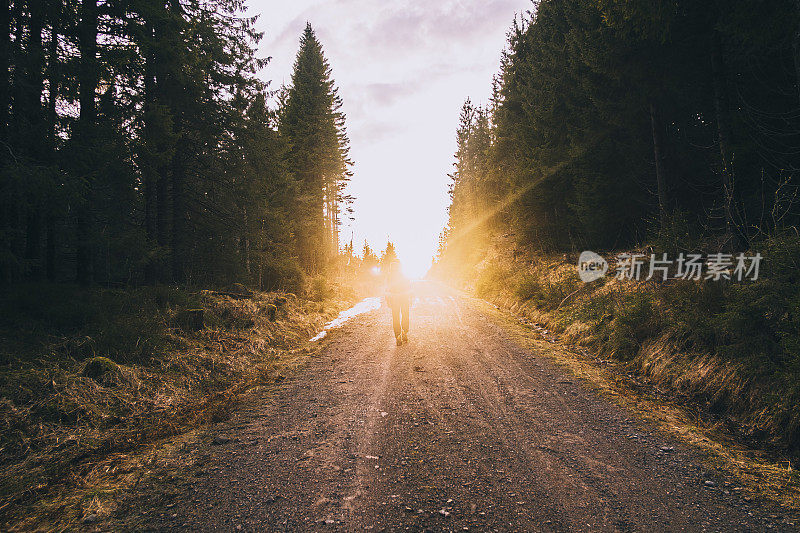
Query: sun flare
[[415, 261]]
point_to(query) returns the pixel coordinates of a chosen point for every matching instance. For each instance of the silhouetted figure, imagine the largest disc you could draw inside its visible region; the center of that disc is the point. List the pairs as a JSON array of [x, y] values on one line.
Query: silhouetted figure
[[398, 297]]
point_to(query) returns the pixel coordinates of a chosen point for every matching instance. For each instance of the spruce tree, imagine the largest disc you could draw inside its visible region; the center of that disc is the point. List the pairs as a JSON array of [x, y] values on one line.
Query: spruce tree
[[312, 122]]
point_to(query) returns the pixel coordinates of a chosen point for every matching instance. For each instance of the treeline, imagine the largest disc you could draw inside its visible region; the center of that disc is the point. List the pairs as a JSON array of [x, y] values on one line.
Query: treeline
[[368, 262], [618, 122], [138, 146]]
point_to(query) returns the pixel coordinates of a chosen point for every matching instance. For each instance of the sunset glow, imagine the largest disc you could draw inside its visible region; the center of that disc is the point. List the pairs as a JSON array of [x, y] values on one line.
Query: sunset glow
[[403, 70]]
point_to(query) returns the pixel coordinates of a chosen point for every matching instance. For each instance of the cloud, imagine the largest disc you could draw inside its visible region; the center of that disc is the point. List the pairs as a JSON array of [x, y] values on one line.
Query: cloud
[[398, 28], [385, 94], [291, 33], [425, 24], [367, 103], [373, 131]]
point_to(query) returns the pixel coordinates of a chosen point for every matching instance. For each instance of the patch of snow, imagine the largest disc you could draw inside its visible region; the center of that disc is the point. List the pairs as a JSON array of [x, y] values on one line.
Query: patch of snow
[[364, 306]]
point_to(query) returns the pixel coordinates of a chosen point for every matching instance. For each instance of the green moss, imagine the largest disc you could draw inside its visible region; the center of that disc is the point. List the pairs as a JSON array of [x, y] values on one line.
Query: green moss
[[98, 369]]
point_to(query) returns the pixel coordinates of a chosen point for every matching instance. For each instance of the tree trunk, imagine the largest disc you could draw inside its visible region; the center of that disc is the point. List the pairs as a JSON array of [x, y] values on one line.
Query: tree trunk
[[335, 225], [796, 45], [54, 85], [33, 239], [149, 175], [172, 88], [721, 107], [88, 81], [244, 243], [178, 214], [54, 80], [14, 222], [17, 78], [327, 244], [658, 152], [163, 77], [50, 247], [33, 147], [34, 72], [162, 209], [5, 72]]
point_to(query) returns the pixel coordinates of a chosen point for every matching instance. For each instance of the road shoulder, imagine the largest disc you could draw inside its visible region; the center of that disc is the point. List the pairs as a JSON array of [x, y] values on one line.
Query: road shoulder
[[763, 477]]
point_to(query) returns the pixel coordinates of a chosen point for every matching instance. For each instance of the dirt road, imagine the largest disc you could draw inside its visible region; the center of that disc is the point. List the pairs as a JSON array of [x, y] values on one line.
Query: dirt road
[[461, 429]]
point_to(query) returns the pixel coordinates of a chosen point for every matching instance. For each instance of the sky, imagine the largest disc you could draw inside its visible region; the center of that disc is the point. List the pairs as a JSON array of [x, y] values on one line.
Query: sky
[[403, 69]]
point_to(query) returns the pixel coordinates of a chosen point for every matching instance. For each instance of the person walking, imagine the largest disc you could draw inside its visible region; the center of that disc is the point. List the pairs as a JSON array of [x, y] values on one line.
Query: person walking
[[398, 298]]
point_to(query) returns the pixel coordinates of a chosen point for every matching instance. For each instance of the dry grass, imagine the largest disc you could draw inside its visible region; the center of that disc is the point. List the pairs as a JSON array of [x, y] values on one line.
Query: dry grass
[[69, 440]]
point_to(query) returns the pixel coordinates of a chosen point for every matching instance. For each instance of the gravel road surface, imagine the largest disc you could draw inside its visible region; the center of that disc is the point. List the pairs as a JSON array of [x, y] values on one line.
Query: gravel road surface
[[462, 429]]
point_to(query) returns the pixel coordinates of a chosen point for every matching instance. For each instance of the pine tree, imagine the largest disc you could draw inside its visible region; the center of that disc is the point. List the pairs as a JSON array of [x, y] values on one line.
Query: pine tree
[[368, 258], [388, 256], [313, 124]]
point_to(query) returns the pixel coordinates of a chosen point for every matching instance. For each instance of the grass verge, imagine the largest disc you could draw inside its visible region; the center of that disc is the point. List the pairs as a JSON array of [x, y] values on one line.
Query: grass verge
[[89, 376]]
